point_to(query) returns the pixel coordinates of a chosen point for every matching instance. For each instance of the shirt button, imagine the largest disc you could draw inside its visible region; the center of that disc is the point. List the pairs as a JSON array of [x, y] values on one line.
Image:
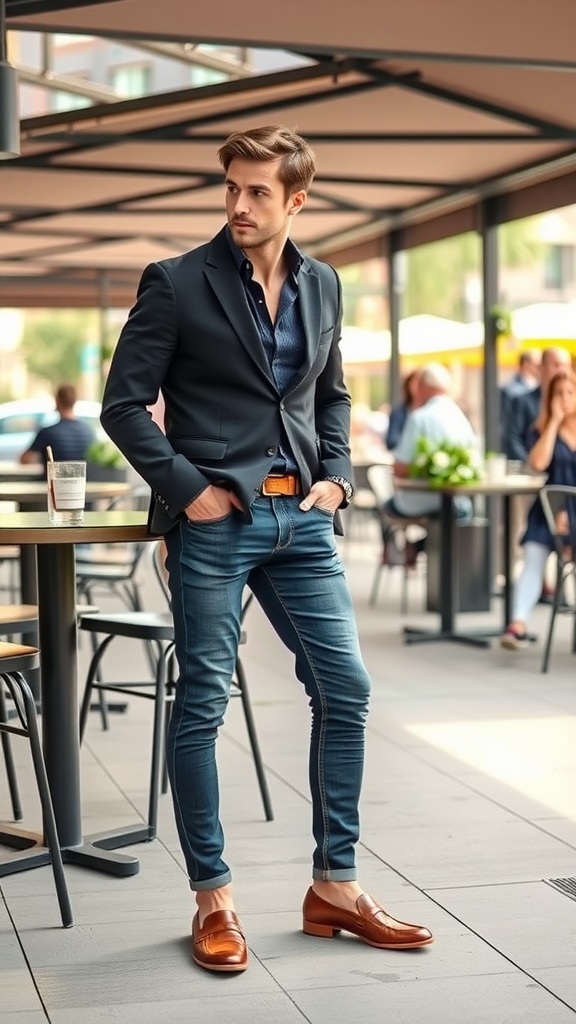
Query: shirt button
[[271, 451]]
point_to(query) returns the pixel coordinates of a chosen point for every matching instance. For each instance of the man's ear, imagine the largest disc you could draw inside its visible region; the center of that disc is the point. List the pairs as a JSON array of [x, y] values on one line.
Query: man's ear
[[297, 200]]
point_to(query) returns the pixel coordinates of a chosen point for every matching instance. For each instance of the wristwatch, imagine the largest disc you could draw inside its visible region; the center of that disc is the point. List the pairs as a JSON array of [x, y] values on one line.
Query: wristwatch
[[344, 484]]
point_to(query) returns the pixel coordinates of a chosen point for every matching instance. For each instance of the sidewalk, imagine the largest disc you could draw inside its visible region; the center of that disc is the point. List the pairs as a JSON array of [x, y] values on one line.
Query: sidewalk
[[468, 813]]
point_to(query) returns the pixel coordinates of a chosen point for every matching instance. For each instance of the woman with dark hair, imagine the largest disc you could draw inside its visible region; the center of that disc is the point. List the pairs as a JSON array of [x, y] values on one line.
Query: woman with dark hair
[[400, 412], [553, 452]]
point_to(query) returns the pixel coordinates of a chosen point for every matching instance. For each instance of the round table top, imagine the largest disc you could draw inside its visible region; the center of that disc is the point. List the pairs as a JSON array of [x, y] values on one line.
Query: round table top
[[106, 527]]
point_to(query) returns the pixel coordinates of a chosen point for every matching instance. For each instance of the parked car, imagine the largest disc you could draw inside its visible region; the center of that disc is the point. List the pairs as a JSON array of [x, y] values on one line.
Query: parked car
[[20, 422]]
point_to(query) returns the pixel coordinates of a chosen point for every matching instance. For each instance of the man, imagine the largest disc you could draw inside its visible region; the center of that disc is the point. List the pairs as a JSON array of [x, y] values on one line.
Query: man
[[242, 336], [438, 418], [524, 408], [69, 438], [525, 380]]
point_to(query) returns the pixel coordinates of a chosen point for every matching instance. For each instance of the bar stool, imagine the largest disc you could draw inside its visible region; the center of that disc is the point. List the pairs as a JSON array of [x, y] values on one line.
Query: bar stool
[[14, 660]]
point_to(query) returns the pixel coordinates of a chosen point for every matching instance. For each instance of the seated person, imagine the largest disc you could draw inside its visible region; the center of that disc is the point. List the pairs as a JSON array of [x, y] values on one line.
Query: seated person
[[437, 418], [553, 450], [69, 438], [399, 413]]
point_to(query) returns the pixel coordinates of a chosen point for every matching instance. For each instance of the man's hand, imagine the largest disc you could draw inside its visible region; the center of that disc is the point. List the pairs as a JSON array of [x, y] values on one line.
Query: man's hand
[[325, 494], [213, 503]]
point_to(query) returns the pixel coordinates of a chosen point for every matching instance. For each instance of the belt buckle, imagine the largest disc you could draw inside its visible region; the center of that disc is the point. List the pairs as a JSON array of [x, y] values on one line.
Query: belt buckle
[[273, 485]]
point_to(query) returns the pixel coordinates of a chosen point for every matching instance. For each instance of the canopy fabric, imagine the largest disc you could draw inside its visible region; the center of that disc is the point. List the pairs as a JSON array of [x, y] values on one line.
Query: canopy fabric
[[413, 109]]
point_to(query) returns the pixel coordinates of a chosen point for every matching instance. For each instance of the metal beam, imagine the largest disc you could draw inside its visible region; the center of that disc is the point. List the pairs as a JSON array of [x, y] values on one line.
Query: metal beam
[[67, 83], [188, 53]]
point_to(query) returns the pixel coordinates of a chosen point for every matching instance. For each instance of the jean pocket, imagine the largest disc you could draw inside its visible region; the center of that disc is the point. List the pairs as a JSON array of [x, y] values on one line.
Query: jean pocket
[[209, 523], [324, 511]]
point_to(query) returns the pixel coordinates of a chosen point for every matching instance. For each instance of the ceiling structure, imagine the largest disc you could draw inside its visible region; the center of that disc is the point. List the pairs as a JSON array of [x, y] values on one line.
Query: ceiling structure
[[414, 109]]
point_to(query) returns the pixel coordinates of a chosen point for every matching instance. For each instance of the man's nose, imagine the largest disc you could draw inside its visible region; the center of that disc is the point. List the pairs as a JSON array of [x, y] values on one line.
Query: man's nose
[[241, 205]]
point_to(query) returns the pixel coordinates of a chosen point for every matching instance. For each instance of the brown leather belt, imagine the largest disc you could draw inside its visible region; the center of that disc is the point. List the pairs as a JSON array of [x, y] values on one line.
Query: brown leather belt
[[289, 484]]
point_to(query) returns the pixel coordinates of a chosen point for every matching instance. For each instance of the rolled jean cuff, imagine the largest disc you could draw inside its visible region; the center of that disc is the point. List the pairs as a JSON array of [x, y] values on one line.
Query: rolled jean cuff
[[211, 883], [335, 875]]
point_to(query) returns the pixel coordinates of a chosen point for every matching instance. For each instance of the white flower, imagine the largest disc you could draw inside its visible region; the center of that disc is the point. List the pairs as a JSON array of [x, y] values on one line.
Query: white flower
[[441, 460], [421, 460], [464, 472]]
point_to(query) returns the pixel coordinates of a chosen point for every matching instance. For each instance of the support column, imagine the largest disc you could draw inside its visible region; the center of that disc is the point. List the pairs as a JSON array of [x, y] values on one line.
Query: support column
[[396, 290]]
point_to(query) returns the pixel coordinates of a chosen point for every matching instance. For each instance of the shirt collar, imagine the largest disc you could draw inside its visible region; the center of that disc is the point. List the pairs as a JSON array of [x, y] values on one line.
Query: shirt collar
[[294, 257]]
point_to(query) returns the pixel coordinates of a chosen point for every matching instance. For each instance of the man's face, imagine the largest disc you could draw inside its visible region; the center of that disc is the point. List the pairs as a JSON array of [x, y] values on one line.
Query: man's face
[[257, 207], [555, 359]]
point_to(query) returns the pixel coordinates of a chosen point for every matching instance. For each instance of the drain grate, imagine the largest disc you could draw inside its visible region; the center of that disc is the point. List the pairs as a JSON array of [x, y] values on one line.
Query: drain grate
[[564, 885]]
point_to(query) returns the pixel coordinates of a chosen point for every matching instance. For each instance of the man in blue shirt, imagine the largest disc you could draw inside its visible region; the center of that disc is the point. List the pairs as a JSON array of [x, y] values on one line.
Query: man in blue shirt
[[69, 438]]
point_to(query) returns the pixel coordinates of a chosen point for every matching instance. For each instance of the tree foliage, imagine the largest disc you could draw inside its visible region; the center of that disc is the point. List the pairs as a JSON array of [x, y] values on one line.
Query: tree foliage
[[52, 343]]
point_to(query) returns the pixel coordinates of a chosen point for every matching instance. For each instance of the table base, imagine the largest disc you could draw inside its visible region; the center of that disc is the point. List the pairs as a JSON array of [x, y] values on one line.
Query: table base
[[94, 853], [413, 635]]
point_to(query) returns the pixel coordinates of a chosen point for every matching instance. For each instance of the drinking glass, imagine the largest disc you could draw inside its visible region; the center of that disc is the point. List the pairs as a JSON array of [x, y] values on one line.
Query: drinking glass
[[66, 493]]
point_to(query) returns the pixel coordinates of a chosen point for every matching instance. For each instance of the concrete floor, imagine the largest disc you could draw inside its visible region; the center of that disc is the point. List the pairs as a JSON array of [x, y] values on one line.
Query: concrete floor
[[468, 812]]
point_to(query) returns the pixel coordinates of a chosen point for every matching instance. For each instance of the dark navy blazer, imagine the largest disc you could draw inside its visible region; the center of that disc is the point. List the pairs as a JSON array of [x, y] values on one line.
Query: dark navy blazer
[[191, 334]]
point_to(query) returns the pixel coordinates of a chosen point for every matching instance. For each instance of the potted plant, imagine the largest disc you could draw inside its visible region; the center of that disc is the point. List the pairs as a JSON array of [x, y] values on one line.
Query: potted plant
[[445, 463], [104, 461]]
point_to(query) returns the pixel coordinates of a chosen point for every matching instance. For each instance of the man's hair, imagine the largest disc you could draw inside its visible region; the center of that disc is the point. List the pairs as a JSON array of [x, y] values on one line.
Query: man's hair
[[529, 357], [272, 142], [555, 351], [66, 397], [436, 376]]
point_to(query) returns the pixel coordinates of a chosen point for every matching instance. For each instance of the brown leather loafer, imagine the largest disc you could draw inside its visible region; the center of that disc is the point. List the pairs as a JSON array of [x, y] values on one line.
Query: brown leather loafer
[[219, 945], [370, 923]]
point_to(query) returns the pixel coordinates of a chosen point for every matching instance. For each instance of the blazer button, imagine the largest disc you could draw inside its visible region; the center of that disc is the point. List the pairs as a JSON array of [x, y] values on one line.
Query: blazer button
[[271, 451]]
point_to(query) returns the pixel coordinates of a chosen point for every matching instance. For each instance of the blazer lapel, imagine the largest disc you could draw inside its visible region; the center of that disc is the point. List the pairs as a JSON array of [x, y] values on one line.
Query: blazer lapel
[[309, 295], [224, 279]]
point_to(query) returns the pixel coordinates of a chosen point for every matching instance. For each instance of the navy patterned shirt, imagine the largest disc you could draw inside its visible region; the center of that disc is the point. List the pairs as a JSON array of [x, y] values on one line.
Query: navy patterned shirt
[[284, 340]]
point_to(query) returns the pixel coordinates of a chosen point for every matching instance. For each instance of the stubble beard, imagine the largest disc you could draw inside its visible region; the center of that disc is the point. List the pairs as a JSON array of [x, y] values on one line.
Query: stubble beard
[[258, 240]]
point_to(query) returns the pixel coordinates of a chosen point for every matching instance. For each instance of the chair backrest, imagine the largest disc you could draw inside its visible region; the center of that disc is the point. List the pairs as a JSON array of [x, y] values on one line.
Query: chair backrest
[[158, 556], [559, 506], [381, 480], [137, 500]]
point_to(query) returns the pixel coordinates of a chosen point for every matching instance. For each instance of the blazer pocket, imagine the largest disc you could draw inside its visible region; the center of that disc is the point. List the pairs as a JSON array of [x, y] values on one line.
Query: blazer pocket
[[200, 447], [326, 335]]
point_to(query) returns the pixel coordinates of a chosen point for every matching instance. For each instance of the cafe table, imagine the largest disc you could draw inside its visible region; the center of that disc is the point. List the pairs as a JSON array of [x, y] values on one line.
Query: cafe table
[[505, 489], [30, 496], [59, 689]]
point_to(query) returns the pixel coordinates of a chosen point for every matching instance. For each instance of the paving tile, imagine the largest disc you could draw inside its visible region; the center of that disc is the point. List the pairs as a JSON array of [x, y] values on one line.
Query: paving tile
[[301, 961], [490, 999], [471, 854], [144, 981], [24, 1016], [18, 991], [559, 980], [228, 1006], [532, 924]]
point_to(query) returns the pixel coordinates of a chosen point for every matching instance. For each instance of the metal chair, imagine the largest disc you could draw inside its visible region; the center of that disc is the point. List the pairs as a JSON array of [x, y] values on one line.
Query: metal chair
[[399, 534], [157, 629], [114, 572], [559, 505], [14, 660]]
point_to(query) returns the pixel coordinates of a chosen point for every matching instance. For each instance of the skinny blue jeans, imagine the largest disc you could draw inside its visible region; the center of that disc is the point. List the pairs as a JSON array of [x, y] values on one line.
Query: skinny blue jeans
[[288, 559]]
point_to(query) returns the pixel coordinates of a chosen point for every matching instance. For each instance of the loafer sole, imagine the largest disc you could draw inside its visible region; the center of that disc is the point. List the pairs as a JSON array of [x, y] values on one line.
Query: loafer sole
[[220, 967], [327, 932]]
